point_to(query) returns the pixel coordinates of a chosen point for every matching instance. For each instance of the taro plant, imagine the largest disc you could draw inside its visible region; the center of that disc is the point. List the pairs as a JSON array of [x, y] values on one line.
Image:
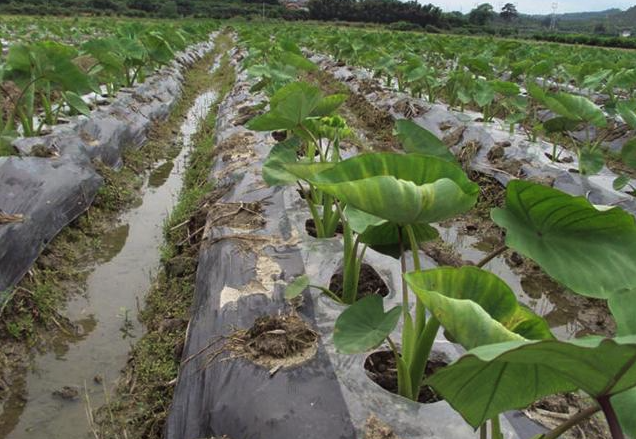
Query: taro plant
[[302, 112], [42, 71], [591, 251], [361, 229], [573, 111], [400, 194]]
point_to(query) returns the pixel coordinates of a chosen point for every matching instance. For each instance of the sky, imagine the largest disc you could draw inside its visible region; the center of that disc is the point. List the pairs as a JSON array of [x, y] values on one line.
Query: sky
[[537, 6]]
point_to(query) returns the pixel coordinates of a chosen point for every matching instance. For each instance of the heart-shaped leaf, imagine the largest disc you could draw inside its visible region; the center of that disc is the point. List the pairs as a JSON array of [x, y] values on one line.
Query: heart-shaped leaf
[[491, 379], [292, 104], [591, 161], [283, 153], [628, 153], [375, 231], [590, 251], [475, 306], [578, 108], [364, 325], [403, 189], [414, 138]]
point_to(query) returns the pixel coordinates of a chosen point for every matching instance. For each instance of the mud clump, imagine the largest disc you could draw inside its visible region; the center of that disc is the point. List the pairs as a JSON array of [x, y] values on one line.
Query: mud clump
[[274, 342], [68, 393], [409, 108], [279, 337], [247, 113], [377, 429]]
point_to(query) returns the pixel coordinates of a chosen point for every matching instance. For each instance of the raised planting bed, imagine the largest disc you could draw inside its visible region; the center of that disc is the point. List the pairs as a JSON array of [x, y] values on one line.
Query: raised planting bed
[[245, 373], [54, 178]]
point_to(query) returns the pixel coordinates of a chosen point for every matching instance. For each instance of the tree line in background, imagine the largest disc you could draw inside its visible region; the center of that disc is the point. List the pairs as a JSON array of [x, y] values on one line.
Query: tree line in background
[[398, 15]]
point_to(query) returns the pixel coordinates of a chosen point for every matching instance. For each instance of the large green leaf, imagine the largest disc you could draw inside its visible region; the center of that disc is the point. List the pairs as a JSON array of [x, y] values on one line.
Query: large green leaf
[[590, 251], [283, 153], [623, 307], [491, 379], [625, 406], [403, 189], [289, 106], [364, 325], [475, 306], [376, 231], [591, 161], [578, 108], [414, 138], [628, 113], [292, 104], [628, 153]]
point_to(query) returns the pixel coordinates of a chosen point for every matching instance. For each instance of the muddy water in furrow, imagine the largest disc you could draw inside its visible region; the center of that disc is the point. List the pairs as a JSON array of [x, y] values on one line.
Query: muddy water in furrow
[[53, 404]]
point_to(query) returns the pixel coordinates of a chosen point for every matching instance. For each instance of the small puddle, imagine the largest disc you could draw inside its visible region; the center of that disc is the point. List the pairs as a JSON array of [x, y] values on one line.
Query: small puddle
[[89, 362]]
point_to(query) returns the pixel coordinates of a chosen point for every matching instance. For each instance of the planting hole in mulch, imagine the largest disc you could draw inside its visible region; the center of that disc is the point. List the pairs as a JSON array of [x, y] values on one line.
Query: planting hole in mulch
[[275, 342], [279, 136], [381, 368], [370, 283], [310, 228]]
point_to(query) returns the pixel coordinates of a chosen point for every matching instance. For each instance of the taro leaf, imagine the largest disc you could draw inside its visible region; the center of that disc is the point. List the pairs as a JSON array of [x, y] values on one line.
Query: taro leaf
[[484, 93], [289, 106], [591, 252], [414, 138], [403, 189], [576, 108], [591, 161], [299, 61], [77, 103], [620, 182], [623, 307], [536, 92], [328, 105], [625, 406], [559, 125], [274, 172], [491, 379], [297, 287], [292, 104], [375, 231], [505, 88], [627, 113], [364, 325], [475, 306], [628, 153]]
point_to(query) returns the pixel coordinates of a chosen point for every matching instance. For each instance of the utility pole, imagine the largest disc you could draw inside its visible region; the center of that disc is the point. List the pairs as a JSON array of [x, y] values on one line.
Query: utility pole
[[553, 22]]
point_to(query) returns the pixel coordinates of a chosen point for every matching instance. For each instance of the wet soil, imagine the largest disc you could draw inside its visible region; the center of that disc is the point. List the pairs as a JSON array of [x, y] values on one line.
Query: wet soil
[[82, 357], [370, 283], [554, 410], [310, 228], [382, 369]]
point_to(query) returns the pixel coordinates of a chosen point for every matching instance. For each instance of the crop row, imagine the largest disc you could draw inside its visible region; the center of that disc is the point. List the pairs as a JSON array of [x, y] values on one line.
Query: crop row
[[43, 80], [377, 199], [546, 91]]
